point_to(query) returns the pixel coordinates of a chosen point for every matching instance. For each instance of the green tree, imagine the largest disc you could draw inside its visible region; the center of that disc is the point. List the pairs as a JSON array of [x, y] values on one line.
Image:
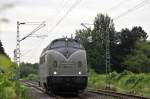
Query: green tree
[[28, 68], [129, 37], [103, 24], [83, 36], [126, 42], [139, 59], [1, 48], [121, 43]]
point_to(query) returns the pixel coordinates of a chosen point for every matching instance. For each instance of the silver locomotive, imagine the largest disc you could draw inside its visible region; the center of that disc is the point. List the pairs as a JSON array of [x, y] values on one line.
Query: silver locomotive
[[63, 66]]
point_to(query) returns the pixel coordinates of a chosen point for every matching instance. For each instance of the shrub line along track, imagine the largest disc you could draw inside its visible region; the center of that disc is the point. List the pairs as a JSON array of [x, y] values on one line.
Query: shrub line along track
[[116, 94]]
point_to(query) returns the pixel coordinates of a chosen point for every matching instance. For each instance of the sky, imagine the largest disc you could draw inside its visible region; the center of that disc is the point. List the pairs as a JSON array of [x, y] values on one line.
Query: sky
[[72, 13]]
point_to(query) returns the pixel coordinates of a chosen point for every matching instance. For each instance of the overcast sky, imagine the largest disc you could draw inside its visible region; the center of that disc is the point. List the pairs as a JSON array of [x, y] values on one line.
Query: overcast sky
[[53, 10]]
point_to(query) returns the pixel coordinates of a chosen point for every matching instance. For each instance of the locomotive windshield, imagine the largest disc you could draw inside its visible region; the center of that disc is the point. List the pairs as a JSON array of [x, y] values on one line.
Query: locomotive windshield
[[58, 44], [74, 44], [66, 43]]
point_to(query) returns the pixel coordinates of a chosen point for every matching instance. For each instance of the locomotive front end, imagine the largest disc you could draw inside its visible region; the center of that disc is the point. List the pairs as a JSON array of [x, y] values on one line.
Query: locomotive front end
[[66, 65], [68, 74]]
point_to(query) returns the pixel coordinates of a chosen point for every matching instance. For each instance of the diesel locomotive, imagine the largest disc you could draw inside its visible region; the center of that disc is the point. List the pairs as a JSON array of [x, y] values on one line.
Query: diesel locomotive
[[63, 66]]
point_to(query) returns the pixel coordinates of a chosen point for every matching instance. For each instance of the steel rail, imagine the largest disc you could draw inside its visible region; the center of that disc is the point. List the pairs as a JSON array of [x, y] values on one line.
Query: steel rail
[[116, 94], [109, 93], [34, 85]]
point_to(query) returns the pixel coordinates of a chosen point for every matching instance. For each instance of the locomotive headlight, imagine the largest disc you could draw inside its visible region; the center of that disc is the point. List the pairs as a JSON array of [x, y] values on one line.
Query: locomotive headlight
[[79, 64], [54, 72], [80, 73]]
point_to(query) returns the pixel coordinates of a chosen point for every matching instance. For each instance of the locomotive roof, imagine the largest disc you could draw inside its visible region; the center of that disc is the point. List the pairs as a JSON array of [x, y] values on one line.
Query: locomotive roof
[[59, 39]]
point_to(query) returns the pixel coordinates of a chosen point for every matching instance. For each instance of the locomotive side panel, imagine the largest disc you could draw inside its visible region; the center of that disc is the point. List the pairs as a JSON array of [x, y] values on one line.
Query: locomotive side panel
[[42, 69]]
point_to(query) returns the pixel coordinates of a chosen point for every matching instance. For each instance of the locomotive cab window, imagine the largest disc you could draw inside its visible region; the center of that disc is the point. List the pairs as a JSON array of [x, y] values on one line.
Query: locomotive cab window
[[74, 44], [66, 43], [58, 44]]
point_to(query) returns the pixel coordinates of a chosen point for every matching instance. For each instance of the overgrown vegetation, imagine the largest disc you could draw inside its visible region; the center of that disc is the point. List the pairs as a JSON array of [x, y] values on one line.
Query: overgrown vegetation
[[139, 59], [130, 56], [10, 88], [125, 82], [125, 45], [130, 52], [28, 69], [32, 77]]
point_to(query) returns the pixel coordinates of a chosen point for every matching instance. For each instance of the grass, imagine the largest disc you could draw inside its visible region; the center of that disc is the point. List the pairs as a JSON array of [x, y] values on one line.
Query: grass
[[24, 92], [126, 82]]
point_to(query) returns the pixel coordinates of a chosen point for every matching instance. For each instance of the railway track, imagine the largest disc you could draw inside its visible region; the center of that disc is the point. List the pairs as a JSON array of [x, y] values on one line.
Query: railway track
[[52, 96], [88, 94], [116, 94], [35, 85]]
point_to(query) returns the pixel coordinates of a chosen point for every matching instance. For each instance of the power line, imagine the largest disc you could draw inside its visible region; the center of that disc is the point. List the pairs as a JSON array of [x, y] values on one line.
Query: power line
[[118, 5], [36, 29], [63, 6], [143, 3], [61, 19], [65, 15], [63, 3], [18, 40], [31, 50]]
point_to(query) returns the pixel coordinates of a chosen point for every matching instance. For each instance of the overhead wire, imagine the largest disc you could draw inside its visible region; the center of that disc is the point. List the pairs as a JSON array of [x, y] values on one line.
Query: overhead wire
[[139, 5], [61, 19], [118, 5], [61, 7], [65, 15], [31, 23], [35, 46]]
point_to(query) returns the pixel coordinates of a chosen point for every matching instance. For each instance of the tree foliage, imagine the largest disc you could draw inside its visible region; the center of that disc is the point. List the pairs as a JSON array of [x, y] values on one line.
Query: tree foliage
[[126, 42], [1, 48], [103, 24], [121, 43], [2, 51], [7, 76], [139, 59], [28, 68]]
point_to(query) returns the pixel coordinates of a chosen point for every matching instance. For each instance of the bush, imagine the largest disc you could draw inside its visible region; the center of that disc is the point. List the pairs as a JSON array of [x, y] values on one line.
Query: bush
[[24, 92], [32, 77], [126, 82], [113, 74], [10, 88], [138, 60], [28, 68]]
